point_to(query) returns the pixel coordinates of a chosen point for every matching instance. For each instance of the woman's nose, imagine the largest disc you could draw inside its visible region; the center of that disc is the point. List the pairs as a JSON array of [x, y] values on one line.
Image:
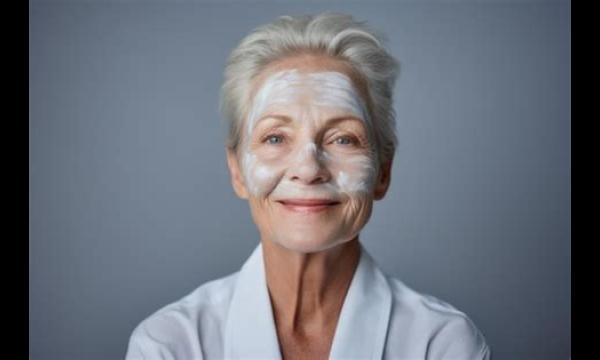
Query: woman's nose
[[308, 167]]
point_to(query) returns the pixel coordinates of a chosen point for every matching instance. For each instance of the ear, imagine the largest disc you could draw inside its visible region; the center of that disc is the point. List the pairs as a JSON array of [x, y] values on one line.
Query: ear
[[237, 180], [383, 180]]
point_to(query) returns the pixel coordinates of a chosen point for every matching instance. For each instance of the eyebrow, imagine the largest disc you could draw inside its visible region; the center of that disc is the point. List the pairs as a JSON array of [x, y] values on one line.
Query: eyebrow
[[330, 121]]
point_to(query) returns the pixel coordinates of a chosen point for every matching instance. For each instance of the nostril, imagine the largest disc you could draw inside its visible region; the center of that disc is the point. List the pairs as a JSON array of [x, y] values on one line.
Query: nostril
[[309, 174]]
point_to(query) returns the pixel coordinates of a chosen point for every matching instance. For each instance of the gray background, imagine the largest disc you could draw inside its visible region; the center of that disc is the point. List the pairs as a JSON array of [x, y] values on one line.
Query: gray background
[[130, 203]]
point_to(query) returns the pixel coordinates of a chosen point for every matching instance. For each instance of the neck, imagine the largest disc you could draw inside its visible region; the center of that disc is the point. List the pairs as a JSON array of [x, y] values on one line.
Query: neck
[[307, 290]]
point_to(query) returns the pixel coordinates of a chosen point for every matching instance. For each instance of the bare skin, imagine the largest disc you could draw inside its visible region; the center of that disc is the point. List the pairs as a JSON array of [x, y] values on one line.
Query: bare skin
[[307, 293]]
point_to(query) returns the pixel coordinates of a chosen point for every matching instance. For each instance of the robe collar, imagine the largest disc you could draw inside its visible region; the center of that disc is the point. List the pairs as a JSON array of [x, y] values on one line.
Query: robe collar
[[361, 330]]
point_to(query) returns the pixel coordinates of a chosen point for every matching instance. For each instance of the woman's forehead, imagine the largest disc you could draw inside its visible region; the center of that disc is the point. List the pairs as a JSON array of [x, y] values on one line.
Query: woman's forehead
[[304, 96], [310, 64], [324, 89]]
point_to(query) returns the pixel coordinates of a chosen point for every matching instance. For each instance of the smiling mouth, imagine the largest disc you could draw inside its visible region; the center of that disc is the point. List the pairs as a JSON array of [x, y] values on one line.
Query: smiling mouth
[[308, 205]]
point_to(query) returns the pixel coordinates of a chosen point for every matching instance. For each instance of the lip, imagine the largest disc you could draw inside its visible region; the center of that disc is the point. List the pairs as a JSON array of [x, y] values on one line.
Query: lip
[[308, 205]]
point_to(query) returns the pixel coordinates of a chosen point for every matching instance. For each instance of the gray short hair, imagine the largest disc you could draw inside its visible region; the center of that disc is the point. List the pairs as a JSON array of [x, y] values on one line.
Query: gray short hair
[[336, 35]]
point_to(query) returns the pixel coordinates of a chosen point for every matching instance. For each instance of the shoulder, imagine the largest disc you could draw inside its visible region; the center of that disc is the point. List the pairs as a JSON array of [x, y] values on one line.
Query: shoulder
[[173, 331], [441, 330]]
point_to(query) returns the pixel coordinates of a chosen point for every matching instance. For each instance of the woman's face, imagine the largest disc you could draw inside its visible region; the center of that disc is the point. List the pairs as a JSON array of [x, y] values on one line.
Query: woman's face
[[307, 161]]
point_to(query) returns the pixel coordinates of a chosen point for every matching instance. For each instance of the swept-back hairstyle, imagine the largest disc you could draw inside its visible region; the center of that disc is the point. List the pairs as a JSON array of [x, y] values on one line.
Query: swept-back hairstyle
[[338, 36]]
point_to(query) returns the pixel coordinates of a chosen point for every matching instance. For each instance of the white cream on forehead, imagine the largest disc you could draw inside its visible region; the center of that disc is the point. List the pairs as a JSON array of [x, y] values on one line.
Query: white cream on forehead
[[328, 89], [325, 91]]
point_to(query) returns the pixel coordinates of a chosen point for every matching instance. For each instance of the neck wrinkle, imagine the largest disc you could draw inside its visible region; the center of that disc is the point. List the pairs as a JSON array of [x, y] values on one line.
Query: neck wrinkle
[[307, 291]]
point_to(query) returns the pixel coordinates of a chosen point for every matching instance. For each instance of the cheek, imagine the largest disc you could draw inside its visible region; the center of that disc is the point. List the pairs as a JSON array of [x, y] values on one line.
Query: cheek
[[355, 175], [261, 177]]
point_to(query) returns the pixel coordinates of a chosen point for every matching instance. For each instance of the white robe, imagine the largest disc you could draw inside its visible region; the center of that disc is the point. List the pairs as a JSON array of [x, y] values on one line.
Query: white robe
[[381, 318]]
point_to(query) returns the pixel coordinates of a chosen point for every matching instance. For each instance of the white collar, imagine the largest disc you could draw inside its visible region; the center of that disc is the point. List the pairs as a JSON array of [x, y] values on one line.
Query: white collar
[[361, 330]]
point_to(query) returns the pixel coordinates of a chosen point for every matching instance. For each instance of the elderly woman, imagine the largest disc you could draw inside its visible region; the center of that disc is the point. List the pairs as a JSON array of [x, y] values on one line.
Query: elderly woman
[[310, 146]]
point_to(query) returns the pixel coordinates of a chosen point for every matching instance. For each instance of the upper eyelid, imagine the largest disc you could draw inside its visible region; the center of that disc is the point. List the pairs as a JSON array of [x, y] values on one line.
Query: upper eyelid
[[285, 120], [349, 137], [285, 124], [273, 130]]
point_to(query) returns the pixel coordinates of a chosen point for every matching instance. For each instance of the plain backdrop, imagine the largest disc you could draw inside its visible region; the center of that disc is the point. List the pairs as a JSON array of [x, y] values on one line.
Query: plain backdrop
[[130, 204]]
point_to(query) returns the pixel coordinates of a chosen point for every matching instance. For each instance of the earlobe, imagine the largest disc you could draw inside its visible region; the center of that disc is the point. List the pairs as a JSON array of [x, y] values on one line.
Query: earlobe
[[237, 180], [383, 180]]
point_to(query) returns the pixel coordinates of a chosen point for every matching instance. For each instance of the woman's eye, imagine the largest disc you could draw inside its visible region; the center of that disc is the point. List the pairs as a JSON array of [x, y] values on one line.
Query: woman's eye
[[274, 139], [344, 140]]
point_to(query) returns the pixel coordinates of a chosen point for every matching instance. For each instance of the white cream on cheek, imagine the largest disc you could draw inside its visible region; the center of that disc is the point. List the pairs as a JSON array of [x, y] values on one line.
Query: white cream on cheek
[[306, 96]]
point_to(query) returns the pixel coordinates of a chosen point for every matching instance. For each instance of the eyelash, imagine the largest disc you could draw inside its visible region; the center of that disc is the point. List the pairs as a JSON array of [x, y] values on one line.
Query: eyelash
[[352, 140], [271, 136]]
